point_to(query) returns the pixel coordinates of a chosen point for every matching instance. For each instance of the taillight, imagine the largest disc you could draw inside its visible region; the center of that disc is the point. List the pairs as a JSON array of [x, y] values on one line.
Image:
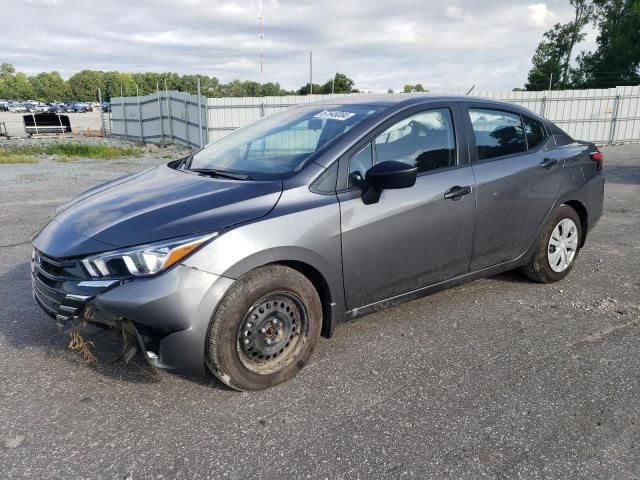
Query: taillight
[[598, 158]]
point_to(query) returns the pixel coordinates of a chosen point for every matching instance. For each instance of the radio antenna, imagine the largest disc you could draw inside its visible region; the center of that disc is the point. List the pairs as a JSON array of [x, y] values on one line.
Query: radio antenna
[[260, 33]]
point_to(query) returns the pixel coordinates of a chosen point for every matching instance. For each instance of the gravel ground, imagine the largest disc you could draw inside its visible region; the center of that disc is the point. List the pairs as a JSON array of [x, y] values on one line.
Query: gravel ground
[[500, 378]]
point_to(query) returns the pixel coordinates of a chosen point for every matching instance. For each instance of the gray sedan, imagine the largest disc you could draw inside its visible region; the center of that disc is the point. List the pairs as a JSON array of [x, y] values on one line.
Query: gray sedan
[[238, 257]]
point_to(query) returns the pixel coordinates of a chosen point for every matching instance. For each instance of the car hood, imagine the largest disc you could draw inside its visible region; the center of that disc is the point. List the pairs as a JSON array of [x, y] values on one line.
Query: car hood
[[150, 206]]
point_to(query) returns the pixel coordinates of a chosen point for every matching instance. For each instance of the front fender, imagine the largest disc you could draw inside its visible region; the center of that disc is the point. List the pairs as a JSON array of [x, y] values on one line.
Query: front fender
[[310, 236]]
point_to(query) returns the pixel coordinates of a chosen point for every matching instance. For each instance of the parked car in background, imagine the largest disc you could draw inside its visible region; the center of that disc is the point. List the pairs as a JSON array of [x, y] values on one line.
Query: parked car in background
[[79, 108], [3, 106], [106, 107], [239, 256], [56, 108], [16, 107]]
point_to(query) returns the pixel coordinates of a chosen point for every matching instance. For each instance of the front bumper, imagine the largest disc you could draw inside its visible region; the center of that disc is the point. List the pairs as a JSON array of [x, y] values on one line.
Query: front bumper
[[168, 314]]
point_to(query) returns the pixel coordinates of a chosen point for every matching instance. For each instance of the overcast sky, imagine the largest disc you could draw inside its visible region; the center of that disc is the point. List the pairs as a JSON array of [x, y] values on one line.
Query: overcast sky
[[379, 43]]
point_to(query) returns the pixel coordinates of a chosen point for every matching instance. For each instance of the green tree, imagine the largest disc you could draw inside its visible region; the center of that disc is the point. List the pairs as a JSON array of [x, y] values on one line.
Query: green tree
[[616, 60], [548, 60], [85, 84], [552, 58], [583, 15], [14, 85], [340, 83], [305, 89], [414, 88], [50, 86], [20, 87]]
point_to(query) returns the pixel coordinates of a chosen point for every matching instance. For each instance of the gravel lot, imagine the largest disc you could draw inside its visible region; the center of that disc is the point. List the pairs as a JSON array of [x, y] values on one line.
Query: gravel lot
[[500, 378], [82, 121]]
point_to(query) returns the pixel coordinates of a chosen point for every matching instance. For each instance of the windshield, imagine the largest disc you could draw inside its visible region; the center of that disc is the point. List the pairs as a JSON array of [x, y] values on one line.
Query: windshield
[[280, 143]]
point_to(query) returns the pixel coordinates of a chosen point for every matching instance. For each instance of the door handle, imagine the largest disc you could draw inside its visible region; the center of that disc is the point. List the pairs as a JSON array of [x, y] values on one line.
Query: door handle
[[457, 192], [549, 162]]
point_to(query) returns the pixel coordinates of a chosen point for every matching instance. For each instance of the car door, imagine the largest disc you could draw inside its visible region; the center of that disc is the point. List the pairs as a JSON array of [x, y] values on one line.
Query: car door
[[518, 177], [412, 237]]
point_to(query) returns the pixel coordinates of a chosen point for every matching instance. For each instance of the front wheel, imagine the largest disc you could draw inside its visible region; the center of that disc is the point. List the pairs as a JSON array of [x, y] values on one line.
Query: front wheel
[[557, 247], [265, 329]]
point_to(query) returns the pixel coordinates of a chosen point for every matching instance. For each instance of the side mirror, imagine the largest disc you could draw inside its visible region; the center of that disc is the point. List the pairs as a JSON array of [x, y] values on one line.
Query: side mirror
[[387, 175]]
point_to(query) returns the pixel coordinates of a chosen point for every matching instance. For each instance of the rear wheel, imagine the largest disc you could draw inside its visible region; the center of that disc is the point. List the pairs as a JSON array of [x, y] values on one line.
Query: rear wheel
[[557, 247], [265, 329]]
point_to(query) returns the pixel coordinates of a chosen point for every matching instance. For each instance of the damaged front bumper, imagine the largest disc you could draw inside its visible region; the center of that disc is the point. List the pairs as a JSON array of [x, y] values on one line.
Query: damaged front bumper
[[165, 317]]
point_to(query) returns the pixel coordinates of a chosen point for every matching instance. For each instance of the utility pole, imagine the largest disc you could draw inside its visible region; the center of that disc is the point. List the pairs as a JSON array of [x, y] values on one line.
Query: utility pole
[[310, 72], [550, 80], [260, 35]]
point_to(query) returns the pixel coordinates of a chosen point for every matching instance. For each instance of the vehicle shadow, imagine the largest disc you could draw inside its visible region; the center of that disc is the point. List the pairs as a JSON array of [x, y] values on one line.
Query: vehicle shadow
[[622, 174], [512, 276], [25, 325]]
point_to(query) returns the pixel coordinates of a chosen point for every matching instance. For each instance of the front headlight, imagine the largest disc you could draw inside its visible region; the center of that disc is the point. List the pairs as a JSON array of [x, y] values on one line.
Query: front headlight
[[144, 260]]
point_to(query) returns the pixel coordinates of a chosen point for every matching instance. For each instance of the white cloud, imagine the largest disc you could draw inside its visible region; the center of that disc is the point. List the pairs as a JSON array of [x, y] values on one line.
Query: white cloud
[[540, 15], [425, 41], [455, 11]]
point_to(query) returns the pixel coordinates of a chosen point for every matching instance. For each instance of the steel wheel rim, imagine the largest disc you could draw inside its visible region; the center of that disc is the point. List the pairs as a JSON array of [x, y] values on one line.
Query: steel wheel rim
[[563, 245], [272, 333]]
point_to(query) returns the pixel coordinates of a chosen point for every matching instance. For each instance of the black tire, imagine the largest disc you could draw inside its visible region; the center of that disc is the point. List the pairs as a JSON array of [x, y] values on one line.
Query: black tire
[[539, 268], [285, 297]]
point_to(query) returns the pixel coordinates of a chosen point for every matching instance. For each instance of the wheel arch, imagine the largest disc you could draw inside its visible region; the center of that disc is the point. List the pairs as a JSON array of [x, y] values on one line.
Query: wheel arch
[[321, 286], [583, 214], [327, 280]]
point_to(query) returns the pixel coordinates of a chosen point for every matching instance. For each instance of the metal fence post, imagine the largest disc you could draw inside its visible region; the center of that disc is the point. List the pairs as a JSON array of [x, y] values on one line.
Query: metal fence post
[[614, 119], [262, 109], [104, 134], [200, 113], [124, 113], [186, 122], [140, 115], [542, 105], [166, 92], [161, 115]]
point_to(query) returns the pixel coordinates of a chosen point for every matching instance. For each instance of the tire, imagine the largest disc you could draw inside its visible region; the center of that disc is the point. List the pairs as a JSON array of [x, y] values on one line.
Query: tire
[[547, 266], [264, 329]]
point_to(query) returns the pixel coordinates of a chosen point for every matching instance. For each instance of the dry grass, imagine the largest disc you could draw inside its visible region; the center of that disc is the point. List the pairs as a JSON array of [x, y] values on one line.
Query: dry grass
[[13, 158], [79, 344], [66, 152]]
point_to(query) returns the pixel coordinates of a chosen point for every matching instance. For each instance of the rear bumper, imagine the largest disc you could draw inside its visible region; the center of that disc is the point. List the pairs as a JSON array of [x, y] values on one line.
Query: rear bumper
[[168, 314], [594, 199]]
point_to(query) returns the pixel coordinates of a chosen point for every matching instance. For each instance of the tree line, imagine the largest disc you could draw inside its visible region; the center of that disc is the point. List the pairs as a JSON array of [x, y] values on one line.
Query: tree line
[[83, 86], [614, 62]]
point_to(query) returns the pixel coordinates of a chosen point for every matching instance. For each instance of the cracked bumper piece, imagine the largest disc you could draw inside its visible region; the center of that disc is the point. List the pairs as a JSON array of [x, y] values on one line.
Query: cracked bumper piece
[[171, 312], [167, 316]]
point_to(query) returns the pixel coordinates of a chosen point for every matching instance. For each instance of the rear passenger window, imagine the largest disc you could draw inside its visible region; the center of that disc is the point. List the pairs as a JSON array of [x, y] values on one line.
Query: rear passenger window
[[562, 140], [535, 132], [497, 133], [425, 140]]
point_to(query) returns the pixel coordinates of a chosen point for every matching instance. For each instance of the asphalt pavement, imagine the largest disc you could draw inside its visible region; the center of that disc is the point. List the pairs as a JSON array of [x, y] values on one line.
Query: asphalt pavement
[[500, 378]]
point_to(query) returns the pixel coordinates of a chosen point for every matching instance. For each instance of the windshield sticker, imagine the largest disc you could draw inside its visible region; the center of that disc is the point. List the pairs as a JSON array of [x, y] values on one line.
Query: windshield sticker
[[334, 115]]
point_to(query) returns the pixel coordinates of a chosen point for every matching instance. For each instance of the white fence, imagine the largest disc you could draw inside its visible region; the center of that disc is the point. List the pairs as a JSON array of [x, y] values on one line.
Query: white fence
[[603, 116]]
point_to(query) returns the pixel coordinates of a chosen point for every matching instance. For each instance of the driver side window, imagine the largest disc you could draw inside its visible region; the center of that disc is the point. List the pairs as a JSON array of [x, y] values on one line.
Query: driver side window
[[425, 140]]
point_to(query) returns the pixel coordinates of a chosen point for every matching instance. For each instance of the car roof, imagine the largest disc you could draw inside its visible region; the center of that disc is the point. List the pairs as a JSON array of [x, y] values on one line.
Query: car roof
[[400, 100]]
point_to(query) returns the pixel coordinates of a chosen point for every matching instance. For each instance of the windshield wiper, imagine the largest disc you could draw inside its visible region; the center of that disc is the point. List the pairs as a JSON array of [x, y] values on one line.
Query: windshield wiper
[[212, 172]]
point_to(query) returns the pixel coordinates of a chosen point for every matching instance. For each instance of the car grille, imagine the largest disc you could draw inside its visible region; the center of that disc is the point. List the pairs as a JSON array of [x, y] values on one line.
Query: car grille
[[54, 282]]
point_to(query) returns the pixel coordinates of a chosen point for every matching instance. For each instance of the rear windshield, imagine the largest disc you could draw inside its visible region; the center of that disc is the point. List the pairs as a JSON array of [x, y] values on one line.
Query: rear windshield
[[280, 144]]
